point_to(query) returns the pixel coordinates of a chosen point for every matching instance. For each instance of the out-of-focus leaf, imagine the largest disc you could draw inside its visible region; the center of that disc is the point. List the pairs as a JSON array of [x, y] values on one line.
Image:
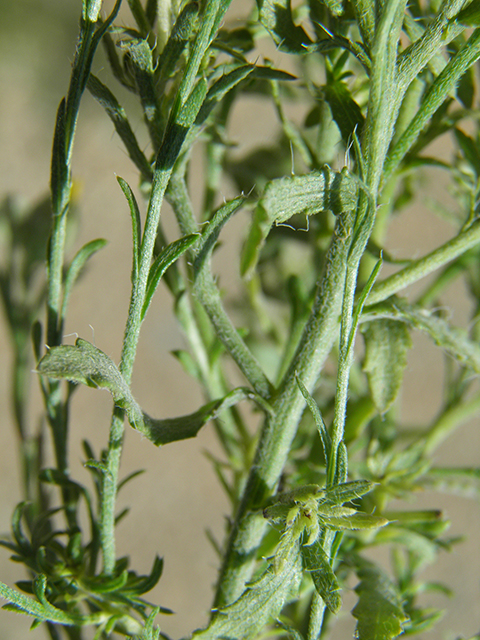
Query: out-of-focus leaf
[[469, 16], [379, 609], [260, 603], [386, 346], [352, 522], [323, 576], [460, 481], [276, 17], [470, 150]]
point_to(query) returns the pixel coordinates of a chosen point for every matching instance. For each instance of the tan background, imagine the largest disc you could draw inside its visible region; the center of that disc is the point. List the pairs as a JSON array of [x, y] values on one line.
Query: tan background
[[178, 498]]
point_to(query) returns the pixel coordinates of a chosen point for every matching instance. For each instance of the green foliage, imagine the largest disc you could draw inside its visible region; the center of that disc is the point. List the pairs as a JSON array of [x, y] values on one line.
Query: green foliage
[[310, 492]]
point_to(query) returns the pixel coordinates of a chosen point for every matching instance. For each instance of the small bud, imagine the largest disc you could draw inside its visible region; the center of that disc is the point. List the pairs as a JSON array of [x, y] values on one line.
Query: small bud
[[91, 10]]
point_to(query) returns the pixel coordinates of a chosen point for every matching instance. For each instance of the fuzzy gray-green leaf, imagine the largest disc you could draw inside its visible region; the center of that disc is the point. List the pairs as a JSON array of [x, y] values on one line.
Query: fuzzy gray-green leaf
[[43, 610], [452, 339], [386, 346], [260, 603], [283, 198], [83, 363]]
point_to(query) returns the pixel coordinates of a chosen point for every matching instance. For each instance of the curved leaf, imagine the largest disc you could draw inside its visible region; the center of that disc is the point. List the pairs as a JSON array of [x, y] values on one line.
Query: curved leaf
[[285, 197], [76, 267], [83, 363], [42, 609], [167, 257], [136, 225], [261, 602]]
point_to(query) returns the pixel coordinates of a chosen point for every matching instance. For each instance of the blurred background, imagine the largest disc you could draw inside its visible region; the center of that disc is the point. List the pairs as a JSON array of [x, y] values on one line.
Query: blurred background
[[178, 497]]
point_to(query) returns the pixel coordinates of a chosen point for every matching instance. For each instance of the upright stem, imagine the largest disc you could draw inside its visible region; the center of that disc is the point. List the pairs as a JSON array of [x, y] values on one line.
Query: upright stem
[[182, 116], [280, 428]]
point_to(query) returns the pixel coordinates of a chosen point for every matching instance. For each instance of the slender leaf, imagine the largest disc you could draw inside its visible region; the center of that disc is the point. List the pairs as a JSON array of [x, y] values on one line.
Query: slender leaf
[[41, 609], [76, 267], [117, 115], [276, 17], [85, 364], [453, 340], [136, 225], [322, 574], [165, 259]]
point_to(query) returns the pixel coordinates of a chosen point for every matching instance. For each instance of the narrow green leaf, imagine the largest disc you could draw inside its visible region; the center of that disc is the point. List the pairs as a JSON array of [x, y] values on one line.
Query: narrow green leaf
[[144, 584], [469, 148], [59, 168], [17, 530], [76, 267], [188, 363], [43, 610], [379, 609], [276, 17], [165, 259], [348, 491], [469, 16], [434, 98], [352, 522], [317, 416], [139, 59], [386, 346], [173, 429], [183, 30], [323, 576], [345, 111], [285, 197], [117, 115], [361, 302], [260, 603], [149, 631], [136, 225]]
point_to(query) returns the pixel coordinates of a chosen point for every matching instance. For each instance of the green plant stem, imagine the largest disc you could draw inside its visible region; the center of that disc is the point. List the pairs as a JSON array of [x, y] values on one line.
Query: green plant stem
[[279, 429], [210, 375], [450, 419], [132, 332], [61, 181], [438, 34], [183, 114], [426, 265]]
